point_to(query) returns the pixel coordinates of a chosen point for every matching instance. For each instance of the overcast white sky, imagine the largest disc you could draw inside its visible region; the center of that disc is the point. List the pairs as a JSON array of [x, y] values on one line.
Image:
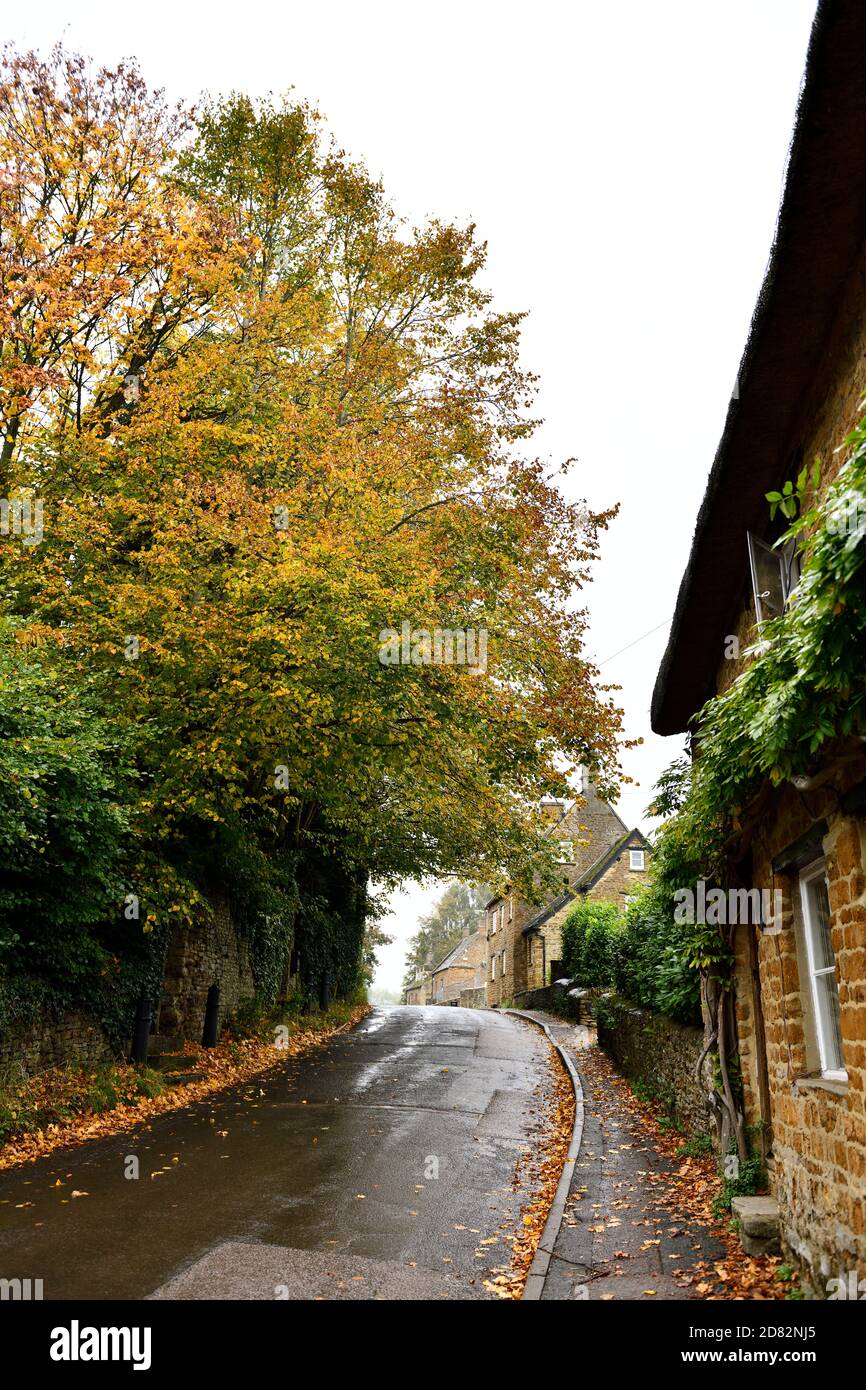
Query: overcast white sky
[[623, 160]]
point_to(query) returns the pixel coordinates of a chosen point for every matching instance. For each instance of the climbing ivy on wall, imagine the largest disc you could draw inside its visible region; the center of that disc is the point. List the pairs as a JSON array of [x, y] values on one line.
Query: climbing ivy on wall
[[329, 933], [801, 691], [803, 685], [263, 895]]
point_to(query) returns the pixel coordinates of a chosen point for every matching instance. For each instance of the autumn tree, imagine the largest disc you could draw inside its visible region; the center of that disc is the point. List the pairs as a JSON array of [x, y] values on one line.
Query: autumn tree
[[327, 437], [102, 263]]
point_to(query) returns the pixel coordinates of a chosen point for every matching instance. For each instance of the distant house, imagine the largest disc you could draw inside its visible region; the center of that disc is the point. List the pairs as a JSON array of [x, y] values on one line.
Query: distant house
[[417, 993], [800, 991], [601, 859], [462, 970]]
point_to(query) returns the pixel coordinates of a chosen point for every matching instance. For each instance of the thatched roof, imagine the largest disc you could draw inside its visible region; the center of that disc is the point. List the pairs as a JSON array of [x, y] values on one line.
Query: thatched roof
[[819, 240]]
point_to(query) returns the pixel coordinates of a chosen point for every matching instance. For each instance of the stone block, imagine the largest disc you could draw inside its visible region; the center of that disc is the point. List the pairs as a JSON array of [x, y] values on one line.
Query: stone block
[[759, 1224]]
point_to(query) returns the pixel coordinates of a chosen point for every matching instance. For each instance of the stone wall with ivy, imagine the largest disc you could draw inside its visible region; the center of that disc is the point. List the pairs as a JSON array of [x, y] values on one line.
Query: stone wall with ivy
[[257, 934], [52, 1041], [210, 952], [660, 1054]]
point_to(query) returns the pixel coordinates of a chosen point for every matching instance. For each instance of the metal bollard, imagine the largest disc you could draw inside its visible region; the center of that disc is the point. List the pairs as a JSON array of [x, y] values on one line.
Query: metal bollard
[[141, 1032], [211, 1029], [324, 991]]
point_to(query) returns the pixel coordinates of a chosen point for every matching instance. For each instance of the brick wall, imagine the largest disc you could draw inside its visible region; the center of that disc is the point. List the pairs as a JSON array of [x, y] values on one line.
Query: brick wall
[[466, 970], [538, 963], [817, 1161], [620, 881], [447, 984]]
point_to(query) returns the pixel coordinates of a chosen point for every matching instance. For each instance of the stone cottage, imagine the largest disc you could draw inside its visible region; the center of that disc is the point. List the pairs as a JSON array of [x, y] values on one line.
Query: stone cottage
[[462, 970], [601, 859], [801, 989], [419, 992]]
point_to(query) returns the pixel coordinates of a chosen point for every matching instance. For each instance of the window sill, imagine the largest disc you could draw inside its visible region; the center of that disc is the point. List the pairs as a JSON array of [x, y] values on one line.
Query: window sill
[[821, 1083]]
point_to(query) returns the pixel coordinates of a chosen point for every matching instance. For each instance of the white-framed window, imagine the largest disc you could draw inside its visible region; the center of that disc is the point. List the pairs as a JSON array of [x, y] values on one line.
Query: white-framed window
[[493, 967], [510, 908], [503, 963], [636, 859], [821, 966], [565, 852]]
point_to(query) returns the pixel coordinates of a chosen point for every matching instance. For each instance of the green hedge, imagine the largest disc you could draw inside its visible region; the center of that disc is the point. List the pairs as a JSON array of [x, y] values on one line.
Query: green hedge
[[650, 960], [640, 954], [589, 937]]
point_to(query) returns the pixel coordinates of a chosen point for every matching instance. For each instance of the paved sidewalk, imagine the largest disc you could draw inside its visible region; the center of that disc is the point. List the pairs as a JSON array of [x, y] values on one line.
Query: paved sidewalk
[[617, 1241]]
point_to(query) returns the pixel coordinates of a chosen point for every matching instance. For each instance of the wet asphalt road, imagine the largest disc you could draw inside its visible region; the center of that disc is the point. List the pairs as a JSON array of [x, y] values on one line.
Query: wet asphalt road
[[374, 1167]]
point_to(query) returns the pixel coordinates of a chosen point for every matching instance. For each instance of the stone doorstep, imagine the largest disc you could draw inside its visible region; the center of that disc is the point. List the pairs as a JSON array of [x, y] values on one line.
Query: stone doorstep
[[759, 1224]]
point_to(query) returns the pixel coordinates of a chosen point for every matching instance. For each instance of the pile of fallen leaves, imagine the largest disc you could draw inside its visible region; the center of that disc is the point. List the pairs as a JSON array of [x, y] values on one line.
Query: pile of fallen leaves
[[231, 1061], [537, 1172], [686, 1191]]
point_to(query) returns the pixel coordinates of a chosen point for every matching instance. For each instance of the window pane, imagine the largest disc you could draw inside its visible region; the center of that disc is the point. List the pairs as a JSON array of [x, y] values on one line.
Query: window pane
[[791, 566], [827, 1000], [767, 579], [819, 905]]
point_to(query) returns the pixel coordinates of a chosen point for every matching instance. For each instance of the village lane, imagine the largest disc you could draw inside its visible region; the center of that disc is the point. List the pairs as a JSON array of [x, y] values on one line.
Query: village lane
[[379, 1166]]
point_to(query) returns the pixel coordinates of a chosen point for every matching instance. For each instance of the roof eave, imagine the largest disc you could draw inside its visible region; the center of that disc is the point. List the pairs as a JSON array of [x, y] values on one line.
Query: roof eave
[[819, 236]]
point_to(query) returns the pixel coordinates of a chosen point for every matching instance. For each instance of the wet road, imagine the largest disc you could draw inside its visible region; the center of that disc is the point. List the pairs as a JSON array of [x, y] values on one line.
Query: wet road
[[374, 1167]]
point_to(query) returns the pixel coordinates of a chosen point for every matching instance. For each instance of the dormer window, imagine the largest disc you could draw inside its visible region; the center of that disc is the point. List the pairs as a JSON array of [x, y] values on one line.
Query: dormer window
[[636, 859], [775, 576], [565, 852]]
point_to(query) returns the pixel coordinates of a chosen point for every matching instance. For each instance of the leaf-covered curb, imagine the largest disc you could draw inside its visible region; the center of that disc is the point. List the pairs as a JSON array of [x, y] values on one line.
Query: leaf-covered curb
[[228, 1063], [537, 1173]]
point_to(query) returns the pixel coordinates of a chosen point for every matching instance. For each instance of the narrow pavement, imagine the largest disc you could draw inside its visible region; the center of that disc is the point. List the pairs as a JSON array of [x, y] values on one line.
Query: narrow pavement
[[617, 1240], [379, 1166]]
